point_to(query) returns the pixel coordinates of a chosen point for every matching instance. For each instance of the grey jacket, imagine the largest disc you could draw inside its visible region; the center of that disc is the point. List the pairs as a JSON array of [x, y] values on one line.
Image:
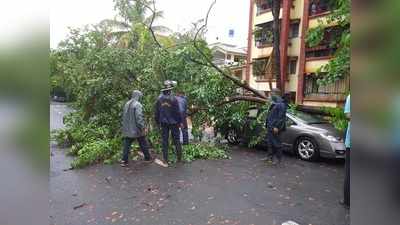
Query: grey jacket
[[132, 117]]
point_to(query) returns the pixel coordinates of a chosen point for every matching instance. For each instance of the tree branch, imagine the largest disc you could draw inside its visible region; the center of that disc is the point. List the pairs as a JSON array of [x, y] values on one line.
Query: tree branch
[[153, 17], [231, 100], [235, 80]]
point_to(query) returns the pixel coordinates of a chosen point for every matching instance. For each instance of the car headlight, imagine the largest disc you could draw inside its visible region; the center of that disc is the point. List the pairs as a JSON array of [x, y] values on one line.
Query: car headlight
[[330, 138]]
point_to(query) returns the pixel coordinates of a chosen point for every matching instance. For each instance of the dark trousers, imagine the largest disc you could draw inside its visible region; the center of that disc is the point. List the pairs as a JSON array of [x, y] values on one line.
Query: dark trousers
[[185, 131], [346, 191], [274, 145], [165, 130], [127, 142]]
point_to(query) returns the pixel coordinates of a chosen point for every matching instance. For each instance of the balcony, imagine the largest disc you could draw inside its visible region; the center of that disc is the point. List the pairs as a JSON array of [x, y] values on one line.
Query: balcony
[[320, 8], [335, 92], [264, 6], [263, 35], [327, 47]]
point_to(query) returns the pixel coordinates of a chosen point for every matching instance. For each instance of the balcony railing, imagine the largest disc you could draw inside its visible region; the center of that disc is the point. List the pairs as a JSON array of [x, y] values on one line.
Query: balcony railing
[[318, 7], [327, 47], [335, 92], [263, 40]]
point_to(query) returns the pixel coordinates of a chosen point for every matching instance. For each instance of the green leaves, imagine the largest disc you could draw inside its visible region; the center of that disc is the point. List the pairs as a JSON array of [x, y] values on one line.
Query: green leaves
[[195, 151], [339, 66], [337, 118], [315, 36]]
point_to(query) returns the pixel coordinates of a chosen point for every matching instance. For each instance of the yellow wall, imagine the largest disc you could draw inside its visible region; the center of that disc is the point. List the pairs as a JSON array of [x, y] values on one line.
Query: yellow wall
[[294, 48], [297, 11], [264, 17], [292, 84], [260, 52], [313, 66]]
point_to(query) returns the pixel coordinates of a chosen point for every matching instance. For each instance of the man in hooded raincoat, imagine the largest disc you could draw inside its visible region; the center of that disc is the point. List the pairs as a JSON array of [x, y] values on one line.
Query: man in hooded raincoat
[[133, 127], [275, 124]]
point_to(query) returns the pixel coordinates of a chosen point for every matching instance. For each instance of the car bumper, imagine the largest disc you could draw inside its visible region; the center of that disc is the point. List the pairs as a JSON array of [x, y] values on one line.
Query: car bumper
[[333, 150]]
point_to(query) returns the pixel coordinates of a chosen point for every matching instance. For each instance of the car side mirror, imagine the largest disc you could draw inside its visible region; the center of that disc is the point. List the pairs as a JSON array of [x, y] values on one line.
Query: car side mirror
[[289, 122]]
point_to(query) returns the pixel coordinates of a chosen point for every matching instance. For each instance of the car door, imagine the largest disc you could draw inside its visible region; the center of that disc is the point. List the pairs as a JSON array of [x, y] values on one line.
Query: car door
[[289, 135]]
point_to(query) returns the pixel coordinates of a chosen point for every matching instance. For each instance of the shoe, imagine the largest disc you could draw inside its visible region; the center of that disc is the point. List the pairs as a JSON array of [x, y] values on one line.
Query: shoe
[[123, 163], [161, 163]]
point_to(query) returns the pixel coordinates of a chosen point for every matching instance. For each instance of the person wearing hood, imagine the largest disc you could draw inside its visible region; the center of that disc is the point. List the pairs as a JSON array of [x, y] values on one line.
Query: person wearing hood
[[133, 127], [275, 124], [169, 119], [183, 105]]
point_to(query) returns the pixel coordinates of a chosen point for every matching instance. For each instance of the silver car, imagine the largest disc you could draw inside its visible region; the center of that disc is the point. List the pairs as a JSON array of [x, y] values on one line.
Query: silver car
[[308, 136], [311, 137]]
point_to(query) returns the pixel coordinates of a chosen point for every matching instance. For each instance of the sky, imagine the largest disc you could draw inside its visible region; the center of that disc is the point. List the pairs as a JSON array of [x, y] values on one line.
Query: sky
[[178, 15], [21, 19]]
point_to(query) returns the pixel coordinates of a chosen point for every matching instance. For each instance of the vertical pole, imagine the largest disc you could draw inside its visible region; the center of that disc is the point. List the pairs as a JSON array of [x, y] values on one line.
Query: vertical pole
[[285, 40], [302, 59], [249, 41]]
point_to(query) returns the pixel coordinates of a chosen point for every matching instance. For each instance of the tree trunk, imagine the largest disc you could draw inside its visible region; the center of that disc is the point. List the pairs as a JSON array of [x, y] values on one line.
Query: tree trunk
[[276, 7]]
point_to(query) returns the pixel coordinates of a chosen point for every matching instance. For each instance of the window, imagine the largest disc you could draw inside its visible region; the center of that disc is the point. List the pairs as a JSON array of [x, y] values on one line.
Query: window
[[228, 57], [292, 65], [294, 29], [320, 52], [259, 67], [264, 6], [318, 7], [263, 34], [238, 58]]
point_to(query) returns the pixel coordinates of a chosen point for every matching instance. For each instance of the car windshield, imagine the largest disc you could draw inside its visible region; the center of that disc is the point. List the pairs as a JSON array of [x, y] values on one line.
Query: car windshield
[[307, 118]]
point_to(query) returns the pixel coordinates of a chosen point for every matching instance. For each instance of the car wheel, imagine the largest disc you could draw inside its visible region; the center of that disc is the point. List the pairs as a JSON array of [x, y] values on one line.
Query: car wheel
[[232, 137], [307, 149]]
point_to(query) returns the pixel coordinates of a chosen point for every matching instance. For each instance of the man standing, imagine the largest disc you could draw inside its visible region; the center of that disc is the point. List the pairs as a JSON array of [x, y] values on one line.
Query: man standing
[[133, 127], [168, 117], [346, 191], [275, 124], [182, 101]]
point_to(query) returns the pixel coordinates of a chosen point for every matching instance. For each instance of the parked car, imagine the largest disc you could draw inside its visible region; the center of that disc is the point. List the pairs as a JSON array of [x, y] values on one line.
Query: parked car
[[308, 136]]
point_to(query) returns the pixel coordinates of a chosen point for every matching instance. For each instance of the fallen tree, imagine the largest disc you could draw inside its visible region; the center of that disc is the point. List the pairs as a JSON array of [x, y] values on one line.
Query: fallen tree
[[101, 67]]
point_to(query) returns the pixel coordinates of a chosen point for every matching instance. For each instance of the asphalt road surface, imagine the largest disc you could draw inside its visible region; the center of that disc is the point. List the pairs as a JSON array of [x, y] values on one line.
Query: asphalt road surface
[[242, 190]]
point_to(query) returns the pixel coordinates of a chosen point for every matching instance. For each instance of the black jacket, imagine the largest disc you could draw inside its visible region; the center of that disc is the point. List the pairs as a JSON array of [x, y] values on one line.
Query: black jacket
[[276, 116], [167, 110]]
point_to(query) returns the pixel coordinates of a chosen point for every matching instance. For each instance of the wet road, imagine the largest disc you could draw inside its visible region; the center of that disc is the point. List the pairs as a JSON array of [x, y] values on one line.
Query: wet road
[[242, 190]]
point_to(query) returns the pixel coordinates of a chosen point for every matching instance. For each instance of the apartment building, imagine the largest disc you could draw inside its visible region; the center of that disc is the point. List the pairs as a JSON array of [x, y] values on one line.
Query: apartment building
[[299, 62], [227, 55]]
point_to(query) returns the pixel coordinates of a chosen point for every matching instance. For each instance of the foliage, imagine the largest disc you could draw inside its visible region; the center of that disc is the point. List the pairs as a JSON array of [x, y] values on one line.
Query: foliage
[[195, 151], [339, 66], [337, 118], [315, 36]]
